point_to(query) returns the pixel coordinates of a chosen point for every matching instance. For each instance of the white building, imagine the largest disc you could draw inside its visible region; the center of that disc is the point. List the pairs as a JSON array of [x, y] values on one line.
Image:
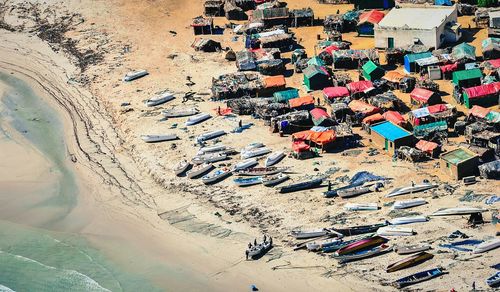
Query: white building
[[431, 26]]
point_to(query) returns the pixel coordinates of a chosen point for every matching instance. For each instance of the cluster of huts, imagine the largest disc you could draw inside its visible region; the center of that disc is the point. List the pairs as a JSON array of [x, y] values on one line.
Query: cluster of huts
[[415, 131]]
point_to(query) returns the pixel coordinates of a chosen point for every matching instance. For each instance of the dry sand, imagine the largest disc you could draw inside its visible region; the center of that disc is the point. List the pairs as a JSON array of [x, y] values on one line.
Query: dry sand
[[138, 183]]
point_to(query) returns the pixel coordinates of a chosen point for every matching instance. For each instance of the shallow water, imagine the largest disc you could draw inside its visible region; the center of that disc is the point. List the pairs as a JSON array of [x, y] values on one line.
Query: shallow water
[[34, 254]]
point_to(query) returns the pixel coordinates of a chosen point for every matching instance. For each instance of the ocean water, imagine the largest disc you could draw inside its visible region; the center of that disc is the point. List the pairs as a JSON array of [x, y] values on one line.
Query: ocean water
[[35, 256]]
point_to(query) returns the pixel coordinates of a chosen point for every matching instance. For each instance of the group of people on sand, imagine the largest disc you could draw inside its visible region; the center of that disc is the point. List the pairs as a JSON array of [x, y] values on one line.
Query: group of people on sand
[[255, 245]]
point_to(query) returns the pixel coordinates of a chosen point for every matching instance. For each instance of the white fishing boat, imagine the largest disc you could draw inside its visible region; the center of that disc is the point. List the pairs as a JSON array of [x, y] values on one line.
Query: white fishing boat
[[248, 181], [458, 211], [394, 231], [487, 245], [305, 234], [216, 176], [180, 112], [252, 146], [134, 75], [209, 158], [255, 152], [408, 220], [211, 149], [160, 99], [411, 189], [317, 245], [274, 158], [193, 120], [199, 170], [181, 167], [245, 164], [210, 135], [158, 138], [408, 203], [361, 206], [272, 180]]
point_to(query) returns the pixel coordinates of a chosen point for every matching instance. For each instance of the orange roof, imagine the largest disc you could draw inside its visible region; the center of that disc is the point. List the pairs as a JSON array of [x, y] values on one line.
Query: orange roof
[[373, 119], [393, 76], [395, 117], [426, 146], [320, 138], [373, 16], [275, 81], [363, 107], [300, 101], [479, 111]]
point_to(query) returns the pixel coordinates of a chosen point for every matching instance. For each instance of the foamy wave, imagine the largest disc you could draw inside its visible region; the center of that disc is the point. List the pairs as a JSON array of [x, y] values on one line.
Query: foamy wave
[[5, 289], [64, 275]]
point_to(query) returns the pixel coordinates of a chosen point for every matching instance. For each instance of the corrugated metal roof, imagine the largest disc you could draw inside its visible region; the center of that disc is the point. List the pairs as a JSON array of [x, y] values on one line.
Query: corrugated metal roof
[[416, 18], [390, 131], [458, 155]]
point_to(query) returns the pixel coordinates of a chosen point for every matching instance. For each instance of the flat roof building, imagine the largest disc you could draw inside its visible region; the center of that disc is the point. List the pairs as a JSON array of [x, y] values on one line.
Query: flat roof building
[[390, 137], [459, 163]]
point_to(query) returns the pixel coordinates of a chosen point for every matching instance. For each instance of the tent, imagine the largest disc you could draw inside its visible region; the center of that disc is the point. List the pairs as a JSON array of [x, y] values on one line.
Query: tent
[[393, 76], [368, 20], [360, 87], [285, 95], [366, 109], [320, 117], [302, 103], [320, 138], [394, 117], [316, 78], [410, 59], [371, 71], [422, 96], [277, 81], [335, 92], [375, 118], [467, 78], [464, 52], [479, 111], [485, 95]]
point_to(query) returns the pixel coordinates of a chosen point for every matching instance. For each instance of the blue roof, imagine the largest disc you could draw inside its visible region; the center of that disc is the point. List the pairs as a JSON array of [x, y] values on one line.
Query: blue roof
[[390, 131]]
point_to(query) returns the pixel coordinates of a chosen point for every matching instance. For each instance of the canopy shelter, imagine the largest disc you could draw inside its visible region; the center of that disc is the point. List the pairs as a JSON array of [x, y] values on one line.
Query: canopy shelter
[[484, 95], [285, 95], [332, 93], [319, 138], [394, 117], [320, 117], [302, 103], [463, 52], [467, 78], [316, 77], [372, 71], [360, 87], [362, 107], [423, 97]]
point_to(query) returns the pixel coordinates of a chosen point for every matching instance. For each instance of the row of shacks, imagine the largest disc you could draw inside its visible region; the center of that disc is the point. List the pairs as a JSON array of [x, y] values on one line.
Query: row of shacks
[[414, 132]]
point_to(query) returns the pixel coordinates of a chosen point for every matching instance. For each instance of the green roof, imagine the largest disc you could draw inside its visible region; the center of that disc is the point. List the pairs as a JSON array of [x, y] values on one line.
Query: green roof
[[458, 156], [413, 57], [369, 67], [285, 95], [316, 61], [466, 74], [313, 70]]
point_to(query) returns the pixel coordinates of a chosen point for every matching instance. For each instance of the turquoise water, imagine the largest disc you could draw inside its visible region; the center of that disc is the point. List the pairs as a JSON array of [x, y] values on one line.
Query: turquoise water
[[35, 257]]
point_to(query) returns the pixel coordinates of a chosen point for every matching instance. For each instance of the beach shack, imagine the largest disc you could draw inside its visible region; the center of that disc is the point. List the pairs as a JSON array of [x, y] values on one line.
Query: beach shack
[[372, 4], [372, 71], [430, 148], [302, 103], [202, 25], [367, 22], [285, 95], [410, 60], [316, 78], [424, 97], [467, 78], [390, 137], [459, 163], [271, 16], [485, 95]]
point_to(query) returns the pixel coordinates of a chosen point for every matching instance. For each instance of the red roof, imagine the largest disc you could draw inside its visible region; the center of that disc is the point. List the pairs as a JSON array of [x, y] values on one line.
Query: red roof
[[331, 48], [437, 108], [494, 63], [369, 120], [394, 117], [426, 146], [363, 107], [360, 86], [479, 111], [449, 68], [421, 94], [483, 90], [373, 16], [335, 92], [301, 101], [300, 146], [318, 113]]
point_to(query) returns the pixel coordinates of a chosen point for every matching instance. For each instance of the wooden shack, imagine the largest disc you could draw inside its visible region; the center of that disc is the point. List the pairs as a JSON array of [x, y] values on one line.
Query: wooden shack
[[390, 137], [459, 163]]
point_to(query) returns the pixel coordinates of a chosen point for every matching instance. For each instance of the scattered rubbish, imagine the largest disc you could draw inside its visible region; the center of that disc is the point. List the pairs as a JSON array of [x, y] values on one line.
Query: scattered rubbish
[[457, 234]]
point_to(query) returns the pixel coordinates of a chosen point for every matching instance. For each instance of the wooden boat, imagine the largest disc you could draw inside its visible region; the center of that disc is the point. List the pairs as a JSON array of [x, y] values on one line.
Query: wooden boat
[[199, 170], [135, 75], [361, 245], [409, 249], [411, 189], [305, 234], [193, 120], [457, 211], [158, 138], [210, 158], [210, 135], [245, 164], [181, 167], [180, 112], [272, 180], [318, 245], [410, 261], [418, 277], [487, 245], [274, 158], [256, 252], [356, 230], [494, 280], [394, 231], [361, 206], [408, 203], [301, 186], [255, 152], [259, 171], [248, 181], [216, 176], [363, 254], [408, 220], [211, 149], [336, 246], [160, 99]]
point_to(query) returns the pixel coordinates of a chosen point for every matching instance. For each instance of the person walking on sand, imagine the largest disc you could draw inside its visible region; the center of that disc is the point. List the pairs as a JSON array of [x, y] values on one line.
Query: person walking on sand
[[249, 245], [265, 238], [255, 242], [218, 110], [246, 253]]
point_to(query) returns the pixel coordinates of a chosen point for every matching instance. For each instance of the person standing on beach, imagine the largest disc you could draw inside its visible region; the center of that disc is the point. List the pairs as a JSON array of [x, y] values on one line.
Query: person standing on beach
[[246, 253], [240, 124]]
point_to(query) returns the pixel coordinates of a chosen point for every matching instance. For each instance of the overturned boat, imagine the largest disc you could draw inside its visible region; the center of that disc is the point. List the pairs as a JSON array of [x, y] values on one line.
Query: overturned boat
[[274, 158], [273, 180], [356, 230], [199, 170], [363, 254], [210, 135], [409, 249], [305, 234], [158, 138], [211, 149], [159, 99], [305, 185], [260, 171], [487, 245], [251, 162], [193, 120], [395, 231], [410, 261], [361, 206], [494, 280], [255, 152], [458, 211], [408, 203], [209, 158], [135, 75], [181, 167], [180, 112], [360, 190], [408, 220], [418, 277], [411, 189]]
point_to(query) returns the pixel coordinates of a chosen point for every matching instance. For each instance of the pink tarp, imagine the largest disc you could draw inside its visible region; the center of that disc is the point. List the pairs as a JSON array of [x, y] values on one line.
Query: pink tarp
[[335, 92], [421, 94], [360, 86], [482, 90], [394, 117], [449, 68], [426, 146], [363, 107], [479, 111], [373, 16], [437, 108]]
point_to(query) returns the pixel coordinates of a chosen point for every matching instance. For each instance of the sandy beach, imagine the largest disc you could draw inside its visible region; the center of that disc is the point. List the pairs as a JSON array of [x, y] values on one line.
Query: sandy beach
[[177, 233]]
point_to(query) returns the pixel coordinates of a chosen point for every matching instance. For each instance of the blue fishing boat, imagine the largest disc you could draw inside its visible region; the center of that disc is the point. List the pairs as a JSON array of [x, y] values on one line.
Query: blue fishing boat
[[363, 254], [302, 186], [247, 181], [418, 277], [494, 280]]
